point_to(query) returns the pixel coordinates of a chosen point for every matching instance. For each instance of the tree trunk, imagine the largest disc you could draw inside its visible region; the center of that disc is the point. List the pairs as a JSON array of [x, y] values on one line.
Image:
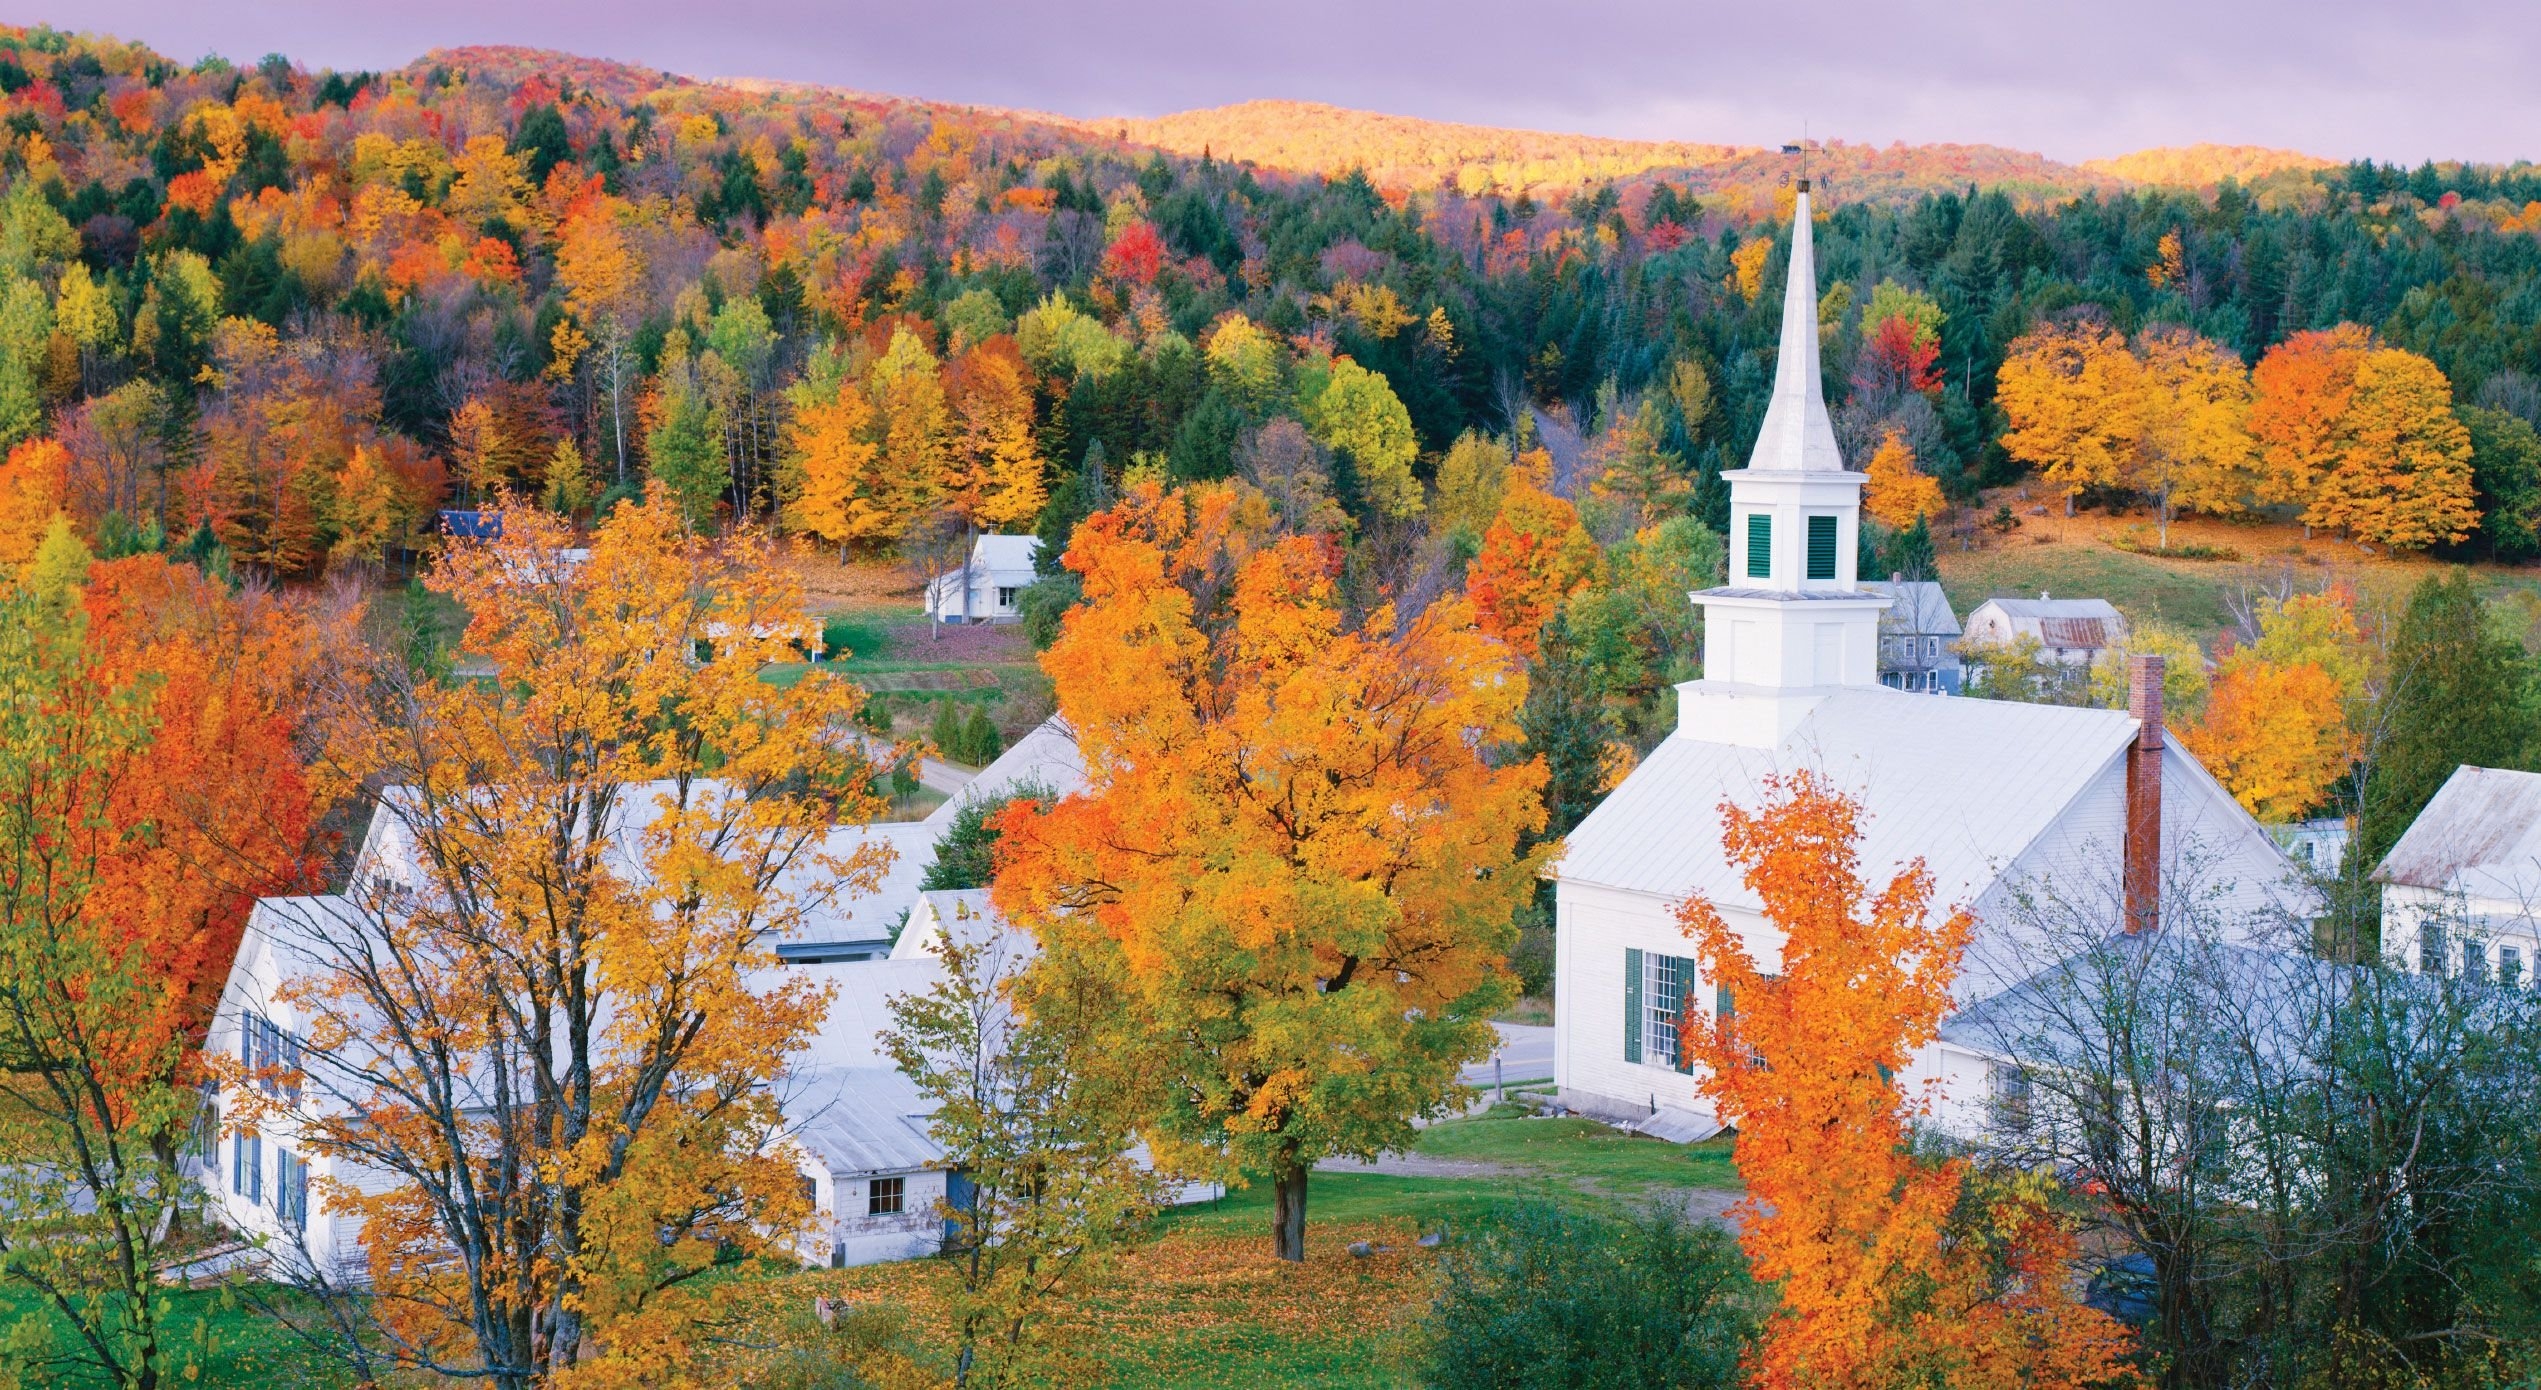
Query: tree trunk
[[1288, 1209]]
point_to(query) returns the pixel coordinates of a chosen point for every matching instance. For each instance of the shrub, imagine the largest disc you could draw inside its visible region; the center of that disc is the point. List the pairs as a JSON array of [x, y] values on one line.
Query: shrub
[[1532, 958], [1043, 603], [1542, 1297], [2139, 540]]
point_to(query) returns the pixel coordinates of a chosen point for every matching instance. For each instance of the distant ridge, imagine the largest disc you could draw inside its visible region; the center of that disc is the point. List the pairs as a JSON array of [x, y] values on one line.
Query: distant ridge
[[511, 65], [2204, 165], [1310, 137], [1414, 153]]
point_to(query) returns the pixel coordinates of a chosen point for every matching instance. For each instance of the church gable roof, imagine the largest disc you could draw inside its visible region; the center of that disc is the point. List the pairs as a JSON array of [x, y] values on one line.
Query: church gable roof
[[1966, 785]]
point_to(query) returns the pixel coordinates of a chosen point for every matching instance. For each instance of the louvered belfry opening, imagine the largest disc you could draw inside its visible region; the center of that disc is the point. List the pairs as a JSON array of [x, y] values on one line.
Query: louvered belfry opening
[[2143, 871]]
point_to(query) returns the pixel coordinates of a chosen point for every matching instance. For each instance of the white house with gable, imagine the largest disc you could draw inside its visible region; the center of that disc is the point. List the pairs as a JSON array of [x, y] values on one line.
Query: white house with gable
[[1990, 795], [857, 1126], [983, 588], [2069, 631], [2461, 891]]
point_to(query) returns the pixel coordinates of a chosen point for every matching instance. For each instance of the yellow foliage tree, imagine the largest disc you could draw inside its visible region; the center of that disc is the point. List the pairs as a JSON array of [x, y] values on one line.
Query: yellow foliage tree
[[2403, 475], [1292, 869], [1894, 490], [2276, 736], [553, 1042], [833, 483], [2192, 449], [2069, 394], [1747, 268]]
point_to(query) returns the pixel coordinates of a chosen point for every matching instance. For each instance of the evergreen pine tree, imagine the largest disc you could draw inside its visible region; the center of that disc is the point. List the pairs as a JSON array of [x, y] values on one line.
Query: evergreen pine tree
[[1566, 723], [2458, 694], [1909, 552], [981, 743]]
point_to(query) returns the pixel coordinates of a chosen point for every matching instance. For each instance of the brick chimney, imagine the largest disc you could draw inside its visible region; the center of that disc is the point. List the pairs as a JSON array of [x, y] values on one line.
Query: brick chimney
[[2144, 795]]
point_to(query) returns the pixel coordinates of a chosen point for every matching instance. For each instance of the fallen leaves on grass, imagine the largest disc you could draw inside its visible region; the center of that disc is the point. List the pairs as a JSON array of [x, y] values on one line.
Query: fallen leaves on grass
[[1204, 1308]]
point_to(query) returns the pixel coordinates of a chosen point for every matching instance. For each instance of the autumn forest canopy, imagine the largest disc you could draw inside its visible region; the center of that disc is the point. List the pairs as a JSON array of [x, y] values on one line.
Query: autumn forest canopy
[[477, 424]]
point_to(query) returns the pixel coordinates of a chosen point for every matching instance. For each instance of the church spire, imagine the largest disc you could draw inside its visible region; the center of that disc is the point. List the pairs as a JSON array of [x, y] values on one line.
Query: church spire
[[1797, 436]]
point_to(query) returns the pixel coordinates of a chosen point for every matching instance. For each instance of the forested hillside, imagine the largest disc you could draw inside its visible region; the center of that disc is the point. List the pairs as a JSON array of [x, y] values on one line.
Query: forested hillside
[[284, 317]]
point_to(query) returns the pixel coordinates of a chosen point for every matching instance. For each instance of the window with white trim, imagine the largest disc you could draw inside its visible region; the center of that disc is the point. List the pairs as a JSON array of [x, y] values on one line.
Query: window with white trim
[[2510, 966], [1663, 983]]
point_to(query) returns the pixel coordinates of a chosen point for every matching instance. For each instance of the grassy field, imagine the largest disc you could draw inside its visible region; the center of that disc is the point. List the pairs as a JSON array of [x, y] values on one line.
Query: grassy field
[[222, 1341], [1205, 1305], [2071, 557], [1581, 1153]]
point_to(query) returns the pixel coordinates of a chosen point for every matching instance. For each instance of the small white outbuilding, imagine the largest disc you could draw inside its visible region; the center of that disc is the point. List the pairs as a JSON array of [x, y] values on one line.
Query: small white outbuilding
[[983, 589]]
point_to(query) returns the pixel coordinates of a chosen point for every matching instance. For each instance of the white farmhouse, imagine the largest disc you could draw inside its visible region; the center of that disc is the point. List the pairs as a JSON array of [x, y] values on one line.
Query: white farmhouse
[[1990, 795], [857, 1125], [2070, 631], [983, 588], [2461, 891]]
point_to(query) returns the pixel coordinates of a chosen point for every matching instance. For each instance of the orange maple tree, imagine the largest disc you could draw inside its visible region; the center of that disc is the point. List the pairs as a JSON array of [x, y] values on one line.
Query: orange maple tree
[[1292, 870], [1880, 1283], [1534, 556], [2300, 392], [220, 805]]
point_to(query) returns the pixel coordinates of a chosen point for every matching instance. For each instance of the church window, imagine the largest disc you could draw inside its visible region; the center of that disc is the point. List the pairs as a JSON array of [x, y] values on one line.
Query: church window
[[1821, 547], [2430, 949], [1759, 546], [2011, 1098], [1663, 983]]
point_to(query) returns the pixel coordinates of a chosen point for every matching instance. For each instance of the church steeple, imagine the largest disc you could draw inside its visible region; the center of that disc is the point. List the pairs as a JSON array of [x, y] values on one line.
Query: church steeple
[[1790, 627], [1797, 434]]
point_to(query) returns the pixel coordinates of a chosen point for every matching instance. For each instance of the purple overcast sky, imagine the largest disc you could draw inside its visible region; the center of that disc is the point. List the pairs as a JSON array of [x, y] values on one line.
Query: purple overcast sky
[[2428, 79]]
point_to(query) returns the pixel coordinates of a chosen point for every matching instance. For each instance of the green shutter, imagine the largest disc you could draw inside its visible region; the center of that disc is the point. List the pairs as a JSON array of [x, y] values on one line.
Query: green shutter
[[1821, 547], [1759, 545], [1684, 1003], [1723, 1003], [1631, 1004]]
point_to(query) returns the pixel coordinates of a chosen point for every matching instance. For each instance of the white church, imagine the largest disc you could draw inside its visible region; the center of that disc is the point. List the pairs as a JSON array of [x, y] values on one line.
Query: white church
[[1997, 798]]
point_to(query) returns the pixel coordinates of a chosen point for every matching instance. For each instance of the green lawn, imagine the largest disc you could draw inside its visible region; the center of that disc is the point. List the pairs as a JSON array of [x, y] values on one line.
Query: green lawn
[[2184, 594], [1581, 1152], [222, 1338], [1205, 1306]]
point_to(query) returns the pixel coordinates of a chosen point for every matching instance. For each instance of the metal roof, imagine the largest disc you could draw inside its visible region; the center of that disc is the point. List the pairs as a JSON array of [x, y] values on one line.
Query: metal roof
[[2273, 993], [2074, 632], [861, 1120], [1964, 784], [1004, 554], [2479, 836], [1921, 607], [1046, 757]]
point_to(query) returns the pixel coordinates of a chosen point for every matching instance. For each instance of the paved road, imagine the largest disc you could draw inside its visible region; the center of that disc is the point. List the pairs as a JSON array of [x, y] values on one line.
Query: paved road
[[1526, 1054], [935, 774]]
